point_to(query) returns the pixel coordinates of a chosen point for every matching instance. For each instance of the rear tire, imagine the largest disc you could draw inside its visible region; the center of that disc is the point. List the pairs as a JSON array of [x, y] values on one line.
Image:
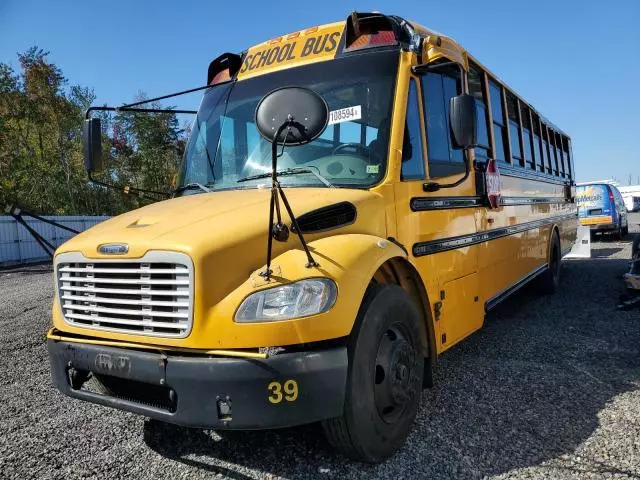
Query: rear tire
[[618, 233], [386, 368], [549, 281]]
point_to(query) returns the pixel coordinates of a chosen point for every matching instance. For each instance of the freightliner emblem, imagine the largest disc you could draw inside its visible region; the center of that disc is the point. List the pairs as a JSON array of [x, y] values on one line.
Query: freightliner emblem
[[113, 248], [110, 364]]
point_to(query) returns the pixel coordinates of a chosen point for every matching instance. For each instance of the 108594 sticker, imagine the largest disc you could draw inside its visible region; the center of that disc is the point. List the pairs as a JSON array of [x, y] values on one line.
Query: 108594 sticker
[[345, 114]]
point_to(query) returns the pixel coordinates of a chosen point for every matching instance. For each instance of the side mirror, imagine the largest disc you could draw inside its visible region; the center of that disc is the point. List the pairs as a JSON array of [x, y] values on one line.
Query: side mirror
[[92, 138], [292, 116], [288, 116], [463, 120]]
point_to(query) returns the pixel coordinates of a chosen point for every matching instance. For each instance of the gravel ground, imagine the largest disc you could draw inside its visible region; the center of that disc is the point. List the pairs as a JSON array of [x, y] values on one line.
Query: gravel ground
[[550, 388]]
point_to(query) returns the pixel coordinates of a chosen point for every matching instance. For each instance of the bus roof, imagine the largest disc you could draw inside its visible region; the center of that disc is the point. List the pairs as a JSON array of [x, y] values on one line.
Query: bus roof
[[323, 42], [461, 52]]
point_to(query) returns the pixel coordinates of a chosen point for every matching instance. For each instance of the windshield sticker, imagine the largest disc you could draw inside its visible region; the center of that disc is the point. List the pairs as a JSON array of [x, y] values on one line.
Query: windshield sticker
[[345, 114], [373, 168]]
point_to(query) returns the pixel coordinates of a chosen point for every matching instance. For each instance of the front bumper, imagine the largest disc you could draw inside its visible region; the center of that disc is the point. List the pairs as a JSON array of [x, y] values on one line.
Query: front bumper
[[200, 391]]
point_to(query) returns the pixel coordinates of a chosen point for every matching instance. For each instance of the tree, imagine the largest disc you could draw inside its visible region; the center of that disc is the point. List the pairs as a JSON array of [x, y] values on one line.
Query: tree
[[41, 159]]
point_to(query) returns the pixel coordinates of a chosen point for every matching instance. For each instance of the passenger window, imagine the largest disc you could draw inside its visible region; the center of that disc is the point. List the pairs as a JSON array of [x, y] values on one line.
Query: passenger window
[[514, 130], [476, 88], [444, 157], [499, 121], [559, 155], [567, 162], [412, 159], [527, 140], [552, 152], [536, 143], [545, 149]]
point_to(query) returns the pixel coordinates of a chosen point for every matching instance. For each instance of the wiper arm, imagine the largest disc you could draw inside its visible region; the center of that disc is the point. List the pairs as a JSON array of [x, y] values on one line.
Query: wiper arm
[[191, 186], [289, 171]]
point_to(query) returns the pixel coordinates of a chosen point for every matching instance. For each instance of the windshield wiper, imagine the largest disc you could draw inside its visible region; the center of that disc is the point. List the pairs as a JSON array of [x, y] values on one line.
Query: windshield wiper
[[191, 186], [289, 171]]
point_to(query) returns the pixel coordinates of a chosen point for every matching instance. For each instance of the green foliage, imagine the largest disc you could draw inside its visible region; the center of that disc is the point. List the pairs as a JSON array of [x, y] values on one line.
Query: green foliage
[[41, 156]]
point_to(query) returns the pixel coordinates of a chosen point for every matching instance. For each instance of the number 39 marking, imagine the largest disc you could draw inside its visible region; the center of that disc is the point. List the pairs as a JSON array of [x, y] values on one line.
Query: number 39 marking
[[290, 389]]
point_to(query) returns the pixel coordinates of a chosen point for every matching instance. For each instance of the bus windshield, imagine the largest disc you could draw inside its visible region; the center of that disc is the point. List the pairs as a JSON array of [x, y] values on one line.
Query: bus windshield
[[225, 145]]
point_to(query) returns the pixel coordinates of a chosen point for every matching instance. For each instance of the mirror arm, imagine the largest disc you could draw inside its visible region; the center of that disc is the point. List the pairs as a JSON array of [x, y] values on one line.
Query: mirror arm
[[105, 108], [434, 186], [277, 191], [127, 107], [127, 189]]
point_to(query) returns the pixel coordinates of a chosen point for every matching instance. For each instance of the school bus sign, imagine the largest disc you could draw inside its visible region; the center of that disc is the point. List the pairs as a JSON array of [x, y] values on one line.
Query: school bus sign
[[311, 45]]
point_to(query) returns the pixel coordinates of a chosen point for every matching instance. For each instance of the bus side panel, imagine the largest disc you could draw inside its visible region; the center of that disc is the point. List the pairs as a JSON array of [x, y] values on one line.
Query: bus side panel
[[568, 230], [461, 312], [523, 222]]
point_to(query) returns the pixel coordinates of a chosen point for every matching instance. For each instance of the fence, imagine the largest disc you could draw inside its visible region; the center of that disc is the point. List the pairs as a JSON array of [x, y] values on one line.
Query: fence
[[18, 246]]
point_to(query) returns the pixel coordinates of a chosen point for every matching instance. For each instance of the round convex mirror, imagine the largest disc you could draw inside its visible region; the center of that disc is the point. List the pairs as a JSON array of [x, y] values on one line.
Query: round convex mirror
[[304, 110]]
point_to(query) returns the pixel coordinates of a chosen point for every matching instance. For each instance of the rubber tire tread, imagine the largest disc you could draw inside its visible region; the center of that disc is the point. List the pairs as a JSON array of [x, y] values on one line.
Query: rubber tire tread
[[337, 430]]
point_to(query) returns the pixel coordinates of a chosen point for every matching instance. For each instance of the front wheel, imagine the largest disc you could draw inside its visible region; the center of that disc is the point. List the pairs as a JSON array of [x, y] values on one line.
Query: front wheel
[[386, 367]]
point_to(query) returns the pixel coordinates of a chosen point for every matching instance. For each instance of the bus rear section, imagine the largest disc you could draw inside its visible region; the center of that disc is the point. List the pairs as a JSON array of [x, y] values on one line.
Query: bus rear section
[[598, 209]]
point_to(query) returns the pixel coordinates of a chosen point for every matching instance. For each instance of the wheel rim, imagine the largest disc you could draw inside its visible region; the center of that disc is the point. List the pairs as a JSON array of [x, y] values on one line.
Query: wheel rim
[[394, 374]]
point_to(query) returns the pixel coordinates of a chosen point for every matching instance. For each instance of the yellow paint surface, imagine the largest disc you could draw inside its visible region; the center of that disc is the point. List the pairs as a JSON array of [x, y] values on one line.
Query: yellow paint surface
[[224, 233]]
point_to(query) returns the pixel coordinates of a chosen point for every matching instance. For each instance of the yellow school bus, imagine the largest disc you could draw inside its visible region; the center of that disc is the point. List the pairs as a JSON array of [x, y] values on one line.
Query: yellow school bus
[[326, 290]]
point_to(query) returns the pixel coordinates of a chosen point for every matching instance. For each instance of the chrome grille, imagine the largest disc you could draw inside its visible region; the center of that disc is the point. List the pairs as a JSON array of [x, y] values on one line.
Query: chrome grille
[[148, 296]]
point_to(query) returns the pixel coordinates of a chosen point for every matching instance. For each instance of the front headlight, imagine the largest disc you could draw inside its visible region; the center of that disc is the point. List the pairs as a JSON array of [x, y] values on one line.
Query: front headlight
[[299, 299]]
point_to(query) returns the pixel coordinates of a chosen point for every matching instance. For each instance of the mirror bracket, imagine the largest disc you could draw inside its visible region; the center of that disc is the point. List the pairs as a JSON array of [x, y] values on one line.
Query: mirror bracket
[[431, 186], [278, 111]]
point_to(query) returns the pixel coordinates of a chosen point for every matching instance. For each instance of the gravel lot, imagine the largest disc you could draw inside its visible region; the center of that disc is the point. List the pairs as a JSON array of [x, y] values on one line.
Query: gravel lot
[[550, 388]]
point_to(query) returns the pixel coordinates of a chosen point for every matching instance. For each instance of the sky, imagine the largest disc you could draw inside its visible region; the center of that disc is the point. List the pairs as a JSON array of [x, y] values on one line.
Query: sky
[[576, 61]]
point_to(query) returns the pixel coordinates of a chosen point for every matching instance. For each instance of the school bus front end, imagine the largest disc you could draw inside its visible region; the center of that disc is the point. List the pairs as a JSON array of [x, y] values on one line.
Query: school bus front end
[[177, 311], [166, 311], [302, 274]]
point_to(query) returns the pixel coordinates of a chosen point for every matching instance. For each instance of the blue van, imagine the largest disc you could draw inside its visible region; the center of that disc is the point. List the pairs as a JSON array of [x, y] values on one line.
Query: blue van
[[602, 208]]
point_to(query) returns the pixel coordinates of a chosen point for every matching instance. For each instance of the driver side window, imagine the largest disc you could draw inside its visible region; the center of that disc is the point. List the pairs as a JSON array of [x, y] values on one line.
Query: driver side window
[[412, 159], [444, 157]]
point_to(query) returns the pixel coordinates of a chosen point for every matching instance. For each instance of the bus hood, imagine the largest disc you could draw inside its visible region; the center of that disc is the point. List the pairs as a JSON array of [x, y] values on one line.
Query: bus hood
[[233, 222]]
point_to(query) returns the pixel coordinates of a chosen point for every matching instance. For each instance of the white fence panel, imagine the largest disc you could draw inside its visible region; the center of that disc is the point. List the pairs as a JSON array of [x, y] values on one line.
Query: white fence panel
[[18, 246]]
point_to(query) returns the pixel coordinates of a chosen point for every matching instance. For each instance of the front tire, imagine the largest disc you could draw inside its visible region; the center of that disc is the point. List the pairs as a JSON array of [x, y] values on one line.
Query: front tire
[[386, 368]]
